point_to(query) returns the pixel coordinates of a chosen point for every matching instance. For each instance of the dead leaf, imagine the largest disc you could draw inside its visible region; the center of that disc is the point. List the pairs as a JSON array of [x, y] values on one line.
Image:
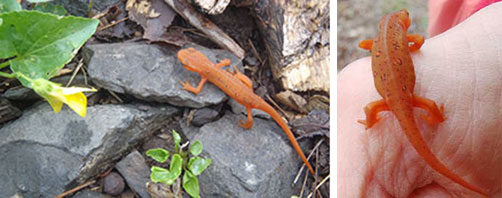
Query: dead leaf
[[155, 17], [315, 123], [319, 102], [292, 100]]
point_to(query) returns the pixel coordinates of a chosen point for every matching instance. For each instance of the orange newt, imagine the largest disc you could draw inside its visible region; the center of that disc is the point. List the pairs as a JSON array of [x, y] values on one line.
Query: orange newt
[[394, 78], [236, 85]]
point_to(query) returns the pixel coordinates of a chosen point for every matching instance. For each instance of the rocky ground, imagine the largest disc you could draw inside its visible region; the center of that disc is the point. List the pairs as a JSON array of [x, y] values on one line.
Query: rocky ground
[[139, 102]]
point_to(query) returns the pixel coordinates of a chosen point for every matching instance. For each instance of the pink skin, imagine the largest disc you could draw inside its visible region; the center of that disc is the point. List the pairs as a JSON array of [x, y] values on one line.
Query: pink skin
[[444, 14], [461, 69]]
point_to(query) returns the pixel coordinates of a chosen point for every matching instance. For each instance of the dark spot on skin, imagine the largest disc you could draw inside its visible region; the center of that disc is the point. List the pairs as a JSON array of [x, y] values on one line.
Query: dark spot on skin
[[377, 54], [396, 45], [404, 88], [374, 74]]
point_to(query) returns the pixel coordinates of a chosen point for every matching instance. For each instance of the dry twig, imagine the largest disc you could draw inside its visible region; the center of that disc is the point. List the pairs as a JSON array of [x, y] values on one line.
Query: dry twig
[[308, 157], [80, 63], [76, 189], [112, 24], [319, 185]]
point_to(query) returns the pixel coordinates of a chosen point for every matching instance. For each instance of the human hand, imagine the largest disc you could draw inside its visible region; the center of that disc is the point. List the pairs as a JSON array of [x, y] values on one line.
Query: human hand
[[461, 69]]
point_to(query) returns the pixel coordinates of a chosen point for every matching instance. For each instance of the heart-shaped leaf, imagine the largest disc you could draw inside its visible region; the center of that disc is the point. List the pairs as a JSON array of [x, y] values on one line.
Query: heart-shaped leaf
[[42, 43], [9, 5]]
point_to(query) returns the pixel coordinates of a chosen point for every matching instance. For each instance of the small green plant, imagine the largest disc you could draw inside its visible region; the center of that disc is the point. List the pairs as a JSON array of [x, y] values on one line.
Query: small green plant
[[36, 45], [180, 161]]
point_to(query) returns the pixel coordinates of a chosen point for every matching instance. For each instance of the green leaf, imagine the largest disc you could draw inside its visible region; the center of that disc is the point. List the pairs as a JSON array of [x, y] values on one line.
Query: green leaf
[[41, 42], [176, 165], [162, 175], [9, 5], [158, 154], [50, 8], [191, 184], [197, 165], [196, 148], [177, 140]]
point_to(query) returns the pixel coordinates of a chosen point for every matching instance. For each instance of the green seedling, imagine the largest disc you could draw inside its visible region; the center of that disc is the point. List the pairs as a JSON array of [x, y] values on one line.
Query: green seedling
[[180, 162]]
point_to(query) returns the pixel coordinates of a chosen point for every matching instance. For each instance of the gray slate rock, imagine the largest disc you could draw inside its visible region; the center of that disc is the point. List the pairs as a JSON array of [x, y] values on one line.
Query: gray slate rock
[[136, 172], [258, 162], [44, 153], [24, 93], [203, 116], [151, 73]]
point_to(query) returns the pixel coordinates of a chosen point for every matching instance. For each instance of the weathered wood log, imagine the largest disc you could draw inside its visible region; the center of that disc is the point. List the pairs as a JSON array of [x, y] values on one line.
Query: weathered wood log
[[296, 36], [213, 7], [207, 27]]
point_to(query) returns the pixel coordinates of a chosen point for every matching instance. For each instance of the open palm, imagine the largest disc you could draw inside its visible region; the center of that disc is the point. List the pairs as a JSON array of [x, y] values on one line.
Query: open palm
[[461, 69]]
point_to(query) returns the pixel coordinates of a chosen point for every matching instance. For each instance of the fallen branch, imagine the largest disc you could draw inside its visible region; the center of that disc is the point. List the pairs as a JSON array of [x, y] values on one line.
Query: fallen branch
[[209, 28]]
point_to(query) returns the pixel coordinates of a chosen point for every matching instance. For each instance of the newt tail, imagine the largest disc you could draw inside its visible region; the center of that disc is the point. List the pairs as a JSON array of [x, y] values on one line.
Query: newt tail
[[262, 105], [418, 142]]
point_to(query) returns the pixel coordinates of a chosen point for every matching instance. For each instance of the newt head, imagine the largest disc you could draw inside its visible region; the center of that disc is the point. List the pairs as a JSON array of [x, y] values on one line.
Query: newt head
[[191, 59], [403, 16]]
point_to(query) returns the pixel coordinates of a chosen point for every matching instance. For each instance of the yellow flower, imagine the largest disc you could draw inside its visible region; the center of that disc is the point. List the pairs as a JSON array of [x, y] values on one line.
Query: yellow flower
[[57, 95]]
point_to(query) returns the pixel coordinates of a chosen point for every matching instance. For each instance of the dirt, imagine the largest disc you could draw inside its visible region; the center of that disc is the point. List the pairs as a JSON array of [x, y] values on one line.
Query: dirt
[[358, 20]]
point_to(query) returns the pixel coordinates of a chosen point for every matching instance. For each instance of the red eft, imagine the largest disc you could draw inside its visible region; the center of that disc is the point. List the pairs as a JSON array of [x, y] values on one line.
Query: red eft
[[394, 79], [237, 85]]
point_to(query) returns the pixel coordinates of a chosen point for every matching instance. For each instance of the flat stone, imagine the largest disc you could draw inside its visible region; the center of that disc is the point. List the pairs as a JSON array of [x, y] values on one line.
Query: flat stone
[[259, 162], [45, 153], [136, 172], [152, 73], [23, 93], [203, 116]]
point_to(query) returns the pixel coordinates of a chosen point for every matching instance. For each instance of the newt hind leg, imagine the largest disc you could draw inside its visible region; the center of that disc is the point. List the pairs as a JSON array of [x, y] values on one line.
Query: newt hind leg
[[371, 110], [435, 114], [249, 123], [416, 40], [366, 44], [243, 78], [223, 63]]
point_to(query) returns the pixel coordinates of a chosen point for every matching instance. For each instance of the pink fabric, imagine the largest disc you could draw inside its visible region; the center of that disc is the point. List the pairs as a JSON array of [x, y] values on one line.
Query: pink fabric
[[444, 14]]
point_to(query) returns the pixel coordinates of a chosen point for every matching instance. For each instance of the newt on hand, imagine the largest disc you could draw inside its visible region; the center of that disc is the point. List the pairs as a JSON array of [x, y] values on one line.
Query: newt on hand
[[394, 78], [238, 86]]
